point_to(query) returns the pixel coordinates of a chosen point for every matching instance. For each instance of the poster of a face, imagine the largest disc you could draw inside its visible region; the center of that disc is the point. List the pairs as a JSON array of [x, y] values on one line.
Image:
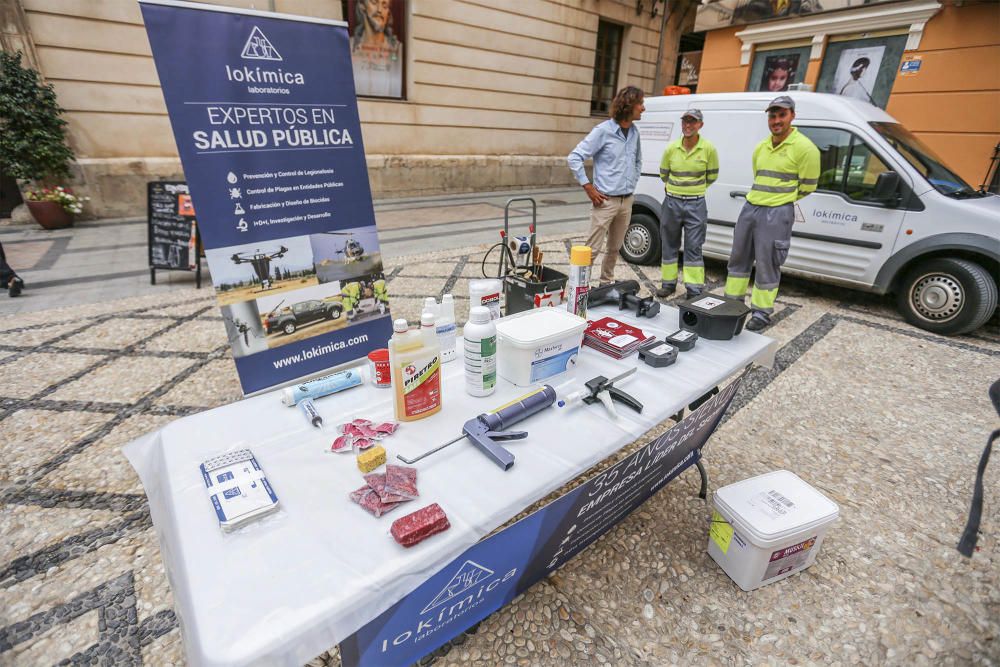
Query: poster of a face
[[377, 38], [856, 73], [779, 71]]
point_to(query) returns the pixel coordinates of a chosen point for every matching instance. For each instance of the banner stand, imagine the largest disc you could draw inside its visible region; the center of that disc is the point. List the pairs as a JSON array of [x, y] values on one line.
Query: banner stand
[[263, 109]]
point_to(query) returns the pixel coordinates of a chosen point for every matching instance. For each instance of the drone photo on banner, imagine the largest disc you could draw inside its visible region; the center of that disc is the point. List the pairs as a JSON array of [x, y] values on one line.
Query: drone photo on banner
[[247, 272]]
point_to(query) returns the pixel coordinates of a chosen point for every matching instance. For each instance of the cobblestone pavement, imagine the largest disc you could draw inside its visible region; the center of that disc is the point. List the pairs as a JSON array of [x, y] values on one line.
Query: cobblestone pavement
[[889, 421]]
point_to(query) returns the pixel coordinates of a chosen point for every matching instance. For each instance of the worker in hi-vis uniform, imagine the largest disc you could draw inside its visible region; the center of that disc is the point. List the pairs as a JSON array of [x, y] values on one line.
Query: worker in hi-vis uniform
[[786, 169], [689, 165]]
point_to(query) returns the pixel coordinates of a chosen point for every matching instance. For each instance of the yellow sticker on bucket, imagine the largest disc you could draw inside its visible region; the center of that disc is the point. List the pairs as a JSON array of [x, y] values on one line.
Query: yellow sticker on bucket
[[721, 532]]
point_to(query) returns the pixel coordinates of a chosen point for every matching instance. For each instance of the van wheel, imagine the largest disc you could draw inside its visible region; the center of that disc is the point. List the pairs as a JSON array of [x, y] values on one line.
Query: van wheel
[[642, 240], [947, 296]]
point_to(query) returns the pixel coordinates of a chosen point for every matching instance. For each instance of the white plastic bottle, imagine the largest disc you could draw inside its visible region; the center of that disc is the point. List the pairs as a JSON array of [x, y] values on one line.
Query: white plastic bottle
[[480, 344], [446, 329], [431, 304], [428, 328], [486, 293]]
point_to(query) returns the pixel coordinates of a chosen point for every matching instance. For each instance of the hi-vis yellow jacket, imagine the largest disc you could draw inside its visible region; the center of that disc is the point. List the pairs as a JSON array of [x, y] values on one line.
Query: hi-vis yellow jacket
[[689, 174], [784, 173]]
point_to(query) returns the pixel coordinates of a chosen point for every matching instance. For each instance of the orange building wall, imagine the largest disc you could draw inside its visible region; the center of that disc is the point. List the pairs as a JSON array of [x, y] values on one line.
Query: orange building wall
[[953, 103]]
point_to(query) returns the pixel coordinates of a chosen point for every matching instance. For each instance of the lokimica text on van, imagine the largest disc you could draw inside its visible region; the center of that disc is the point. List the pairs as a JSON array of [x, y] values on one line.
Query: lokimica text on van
[[888, 216]]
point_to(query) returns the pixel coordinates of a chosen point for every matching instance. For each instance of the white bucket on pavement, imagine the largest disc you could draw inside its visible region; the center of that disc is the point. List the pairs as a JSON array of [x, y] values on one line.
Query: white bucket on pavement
[[768, 527]]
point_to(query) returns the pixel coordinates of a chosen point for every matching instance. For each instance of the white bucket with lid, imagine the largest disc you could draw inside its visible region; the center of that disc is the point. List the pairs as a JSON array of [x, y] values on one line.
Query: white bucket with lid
[[534, 345], [768, 527]]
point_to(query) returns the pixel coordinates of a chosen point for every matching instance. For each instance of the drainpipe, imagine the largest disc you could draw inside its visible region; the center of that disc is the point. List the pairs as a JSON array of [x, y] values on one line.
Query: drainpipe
[[659, 49]]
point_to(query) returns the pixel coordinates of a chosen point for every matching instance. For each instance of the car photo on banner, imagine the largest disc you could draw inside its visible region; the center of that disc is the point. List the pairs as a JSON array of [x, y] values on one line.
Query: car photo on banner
[[247, 272], [296, 315], [346, 254]]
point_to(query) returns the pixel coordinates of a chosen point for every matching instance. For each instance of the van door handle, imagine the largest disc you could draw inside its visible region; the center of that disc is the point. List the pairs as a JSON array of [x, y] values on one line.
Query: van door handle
[[737, 193]]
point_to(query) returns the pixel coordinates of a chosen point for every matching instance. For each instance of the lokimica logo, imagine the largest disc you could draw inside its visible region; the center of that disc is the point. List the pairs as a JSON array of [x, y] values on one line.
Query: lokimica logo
[[470, 587], [259, 47], [467, 576]]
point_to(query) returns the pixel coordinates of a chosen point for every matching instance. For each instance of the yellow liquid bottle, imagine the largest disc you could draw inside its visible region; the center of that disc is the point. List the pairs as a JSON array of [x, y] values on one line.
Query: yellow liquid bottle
[[415, 364]]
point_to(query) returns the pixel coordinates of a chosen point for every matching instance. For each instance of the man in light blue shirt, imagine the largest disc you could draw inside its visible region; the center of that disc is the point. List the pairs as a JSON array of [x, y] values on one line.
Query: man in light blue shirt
[[614, 145]]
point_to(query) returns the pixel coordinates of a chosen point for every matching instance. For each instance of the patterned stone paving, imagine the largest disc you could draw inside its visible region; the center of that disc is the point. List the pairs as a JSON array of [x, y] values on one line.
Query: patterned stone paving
[[887, 419]]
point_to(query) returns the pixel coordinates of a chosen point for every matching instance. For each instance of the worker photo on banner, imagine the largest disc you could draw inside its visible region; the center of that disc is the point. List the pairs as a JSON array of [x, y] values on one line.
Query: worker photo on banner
[[244, 328], [377, 37], [857, 71], [779, 72]]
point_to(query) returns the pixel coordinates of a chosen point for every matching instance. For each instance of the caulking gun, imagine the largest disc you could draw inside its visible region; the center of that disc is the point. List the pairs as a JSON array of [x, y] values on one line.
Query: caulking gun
[[484, 430]]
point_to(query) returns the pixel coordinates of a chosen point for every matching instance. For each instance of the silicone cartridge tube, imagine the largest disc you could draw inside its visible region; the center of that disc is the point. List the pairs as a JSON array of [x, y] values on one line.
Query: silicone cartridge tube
[[320, 387]]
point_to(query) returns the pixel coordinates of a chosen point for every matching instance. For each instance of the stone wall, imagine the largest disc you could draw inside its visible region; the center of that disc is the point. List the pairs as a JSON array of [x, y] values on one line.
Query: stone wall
[[497, 91]]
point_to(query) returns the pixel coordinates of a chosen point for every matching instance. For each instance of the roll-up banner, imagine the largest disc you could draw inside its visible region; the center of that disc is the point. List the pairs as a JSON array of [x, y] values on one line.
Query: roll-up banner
[[264, 113]]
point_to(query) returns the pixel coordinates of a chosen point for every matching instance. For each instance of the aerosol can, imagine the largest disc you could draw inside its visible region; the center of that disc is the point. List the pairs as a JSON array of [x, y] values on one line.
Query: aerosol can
[[579, 280]]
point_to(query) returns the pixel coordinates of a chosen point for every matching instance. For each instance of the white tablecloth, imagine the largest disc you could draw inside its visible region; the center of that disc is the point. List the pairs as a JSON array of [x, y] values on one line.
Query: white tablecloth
[[289, 587]]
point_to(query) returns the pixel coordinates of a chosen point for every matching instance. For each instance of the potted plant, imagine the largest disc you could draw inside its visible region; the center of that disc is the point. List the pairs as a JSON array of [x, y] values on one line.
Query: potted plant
[[54, 208], [33, 142]]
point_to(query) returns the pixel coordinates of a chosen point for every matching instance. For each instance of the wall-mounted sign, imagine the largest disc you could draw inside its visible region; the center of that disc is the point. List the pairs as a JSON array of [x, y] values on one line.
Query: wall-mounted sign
[[689, 68], [911, 65]]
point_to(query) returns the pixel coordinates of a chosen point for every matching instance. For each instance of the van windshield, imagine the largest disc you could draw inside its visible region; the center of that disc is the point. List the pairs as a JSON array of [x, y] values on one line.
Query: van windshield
[[924, 160]]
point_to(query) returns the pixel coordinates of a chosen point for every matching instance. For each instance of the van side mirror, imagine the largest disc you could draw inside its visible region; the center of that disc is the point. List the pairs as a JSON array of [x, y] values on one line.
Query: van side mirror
[[886, 190]]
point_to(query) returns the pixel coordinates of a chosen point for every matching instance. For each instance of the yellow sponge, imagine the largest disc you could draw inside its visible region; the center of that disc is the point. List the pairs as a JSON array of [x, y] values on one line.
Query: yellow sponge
[[372, 458]]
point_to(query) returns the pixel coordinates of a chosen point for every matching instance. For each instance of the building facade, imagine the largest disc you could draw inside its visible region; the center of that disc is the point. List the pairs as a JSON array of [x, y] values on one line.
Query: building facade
[[932, 64], [488, 94]]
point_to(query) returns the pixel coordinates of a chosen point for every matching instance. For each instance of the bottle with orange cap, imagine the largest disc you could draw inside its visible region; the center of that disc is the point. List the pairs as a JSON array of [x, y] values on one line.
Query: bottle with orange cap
[[579, 280]]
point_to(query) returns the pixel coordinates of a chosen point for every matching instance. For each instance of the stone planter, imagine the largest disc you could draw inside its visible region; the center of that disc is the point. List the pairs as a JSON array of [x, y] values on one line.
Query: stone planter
[[50, 214]]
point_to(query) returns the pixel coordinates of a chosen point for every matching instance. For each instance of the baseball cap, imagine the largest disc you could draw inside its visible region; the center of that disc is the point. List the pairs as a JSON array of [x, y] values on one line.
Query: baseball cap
[[783, 102], [694, 113]]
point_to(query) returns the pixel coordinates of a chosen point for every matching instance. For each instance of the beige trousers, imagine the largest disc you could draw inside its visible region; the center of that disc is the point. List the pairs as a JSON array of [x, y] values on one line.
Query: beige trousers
[[610, 221]]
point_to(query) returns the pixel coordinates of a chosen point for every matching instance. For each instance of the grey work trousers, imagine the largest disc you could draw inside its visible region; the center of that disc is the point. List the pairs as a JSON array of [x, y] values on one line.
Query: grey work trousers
[[762, 235], [691, 215]]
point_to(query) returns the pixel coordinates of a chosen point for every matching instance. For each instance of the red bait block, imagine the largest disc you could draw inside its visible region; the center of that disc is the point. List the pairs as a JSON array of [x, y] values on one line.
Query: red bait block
[[418, 526]]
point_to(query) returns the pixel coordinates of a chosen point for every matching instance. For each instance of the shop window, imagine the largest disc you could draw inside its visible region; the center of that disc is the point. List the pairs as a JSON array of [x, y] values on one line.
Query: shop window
[[773, 71], [606, 60], [846, 164], [862, 69]]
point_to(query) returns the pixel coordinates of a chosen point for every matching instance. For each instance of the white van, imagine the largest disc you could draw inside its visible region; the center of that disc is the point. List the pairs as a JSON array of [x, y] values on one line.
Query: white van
[[888, 215]]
